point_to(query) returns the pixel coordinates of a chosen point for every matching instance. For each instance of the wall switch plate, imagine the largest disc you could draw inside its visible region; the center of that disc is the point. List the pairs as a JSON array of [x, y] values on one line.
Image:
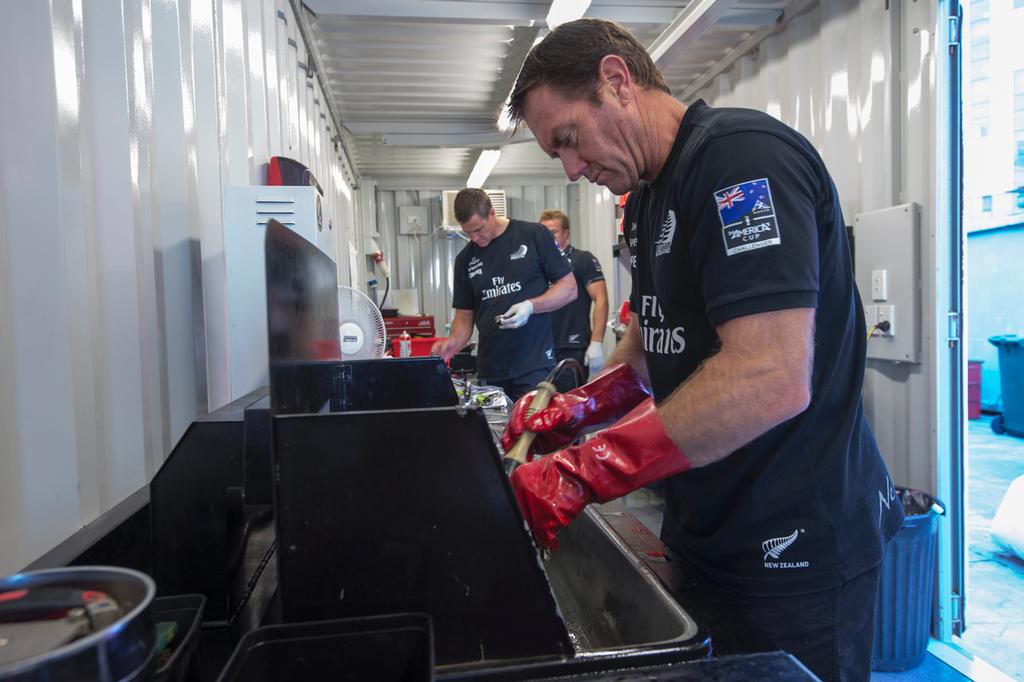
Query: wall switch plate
[[879, 285]]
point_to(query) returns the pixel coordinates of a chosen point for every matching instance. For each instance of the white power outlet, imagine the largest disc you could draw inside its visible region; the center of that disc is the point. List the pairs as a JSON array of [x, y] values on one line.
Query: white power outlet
[[870, 316], [887, 313]]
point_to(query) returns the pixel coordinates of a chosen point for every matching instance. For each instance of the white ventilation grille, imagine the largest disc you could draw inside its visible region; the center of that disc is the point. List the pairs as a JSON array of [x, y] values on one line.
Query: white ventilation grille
[[498, 201]]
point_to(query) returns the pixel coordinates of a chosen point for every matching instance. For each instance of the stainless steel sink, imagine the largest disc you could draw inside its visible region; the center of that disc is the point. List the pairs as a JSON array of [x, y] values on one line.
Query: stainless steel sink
[[609, 599]]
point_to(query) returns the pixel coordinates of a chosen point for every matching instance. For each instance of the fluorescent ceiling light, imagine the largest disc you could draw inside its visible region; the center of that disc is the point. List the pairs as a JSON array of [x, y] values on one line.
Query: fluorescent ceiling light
[[563, 11], [484, 165]]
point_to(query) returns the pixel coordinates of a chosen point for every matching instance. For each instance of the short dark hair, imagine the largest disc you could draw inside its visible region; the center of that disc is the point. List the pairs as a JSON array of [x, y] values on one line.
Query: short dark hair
[[471, 201], [569, 57], [555, 214]]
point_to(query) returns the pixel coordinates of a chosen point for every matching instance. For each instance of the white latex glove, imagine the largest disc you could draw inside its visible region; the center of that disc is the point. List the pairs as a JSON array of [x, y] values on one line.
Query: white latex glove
[[516, 316], [595, 357]]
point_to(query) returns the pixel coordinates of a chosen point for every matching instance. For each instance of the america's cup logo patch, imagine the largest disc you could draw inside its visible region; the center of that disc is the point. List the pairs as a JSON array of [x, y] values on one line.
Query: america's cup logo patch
[[748, 216]]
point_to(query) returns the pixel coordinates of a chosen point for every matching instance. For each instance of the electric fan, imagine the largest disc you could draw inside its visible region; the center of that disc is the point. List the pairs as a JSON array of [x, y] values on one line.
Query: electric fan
[[360, 326]]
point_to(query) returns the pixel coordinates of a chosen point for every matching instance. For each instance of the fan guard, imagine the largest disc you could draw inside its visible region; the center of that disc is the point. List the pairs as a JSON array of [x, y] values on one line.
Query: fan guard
[[360, 326]]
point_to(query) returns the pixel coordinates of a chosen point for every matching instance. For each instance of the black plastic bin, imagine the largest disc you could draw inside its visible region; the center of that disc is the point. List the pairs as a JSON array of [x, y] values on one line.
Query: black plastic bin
[[187, 611], [903, 609], [1011, 381], [391, 648]]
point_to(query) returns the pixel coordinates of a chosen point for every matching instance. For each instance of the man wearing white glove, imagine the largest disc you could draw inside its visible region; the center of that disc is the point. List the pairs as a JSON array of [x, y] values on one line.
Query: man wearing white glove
[[595, 357], [507, 279], [516, 316], [579, 332]]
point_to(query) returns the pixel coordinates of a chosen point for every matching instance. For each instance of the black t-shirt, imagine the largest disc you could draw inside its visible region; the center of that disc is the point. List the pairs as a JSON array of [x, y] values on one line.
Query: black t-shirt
[[571, 324], [519, 264], [744, 219]]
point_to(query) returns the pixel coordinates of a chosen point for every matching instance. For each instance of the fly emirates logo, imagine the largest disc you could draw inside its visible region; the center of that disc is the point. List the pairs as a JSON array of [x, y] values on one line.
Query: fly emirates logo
[[656, 337], [500, 288]]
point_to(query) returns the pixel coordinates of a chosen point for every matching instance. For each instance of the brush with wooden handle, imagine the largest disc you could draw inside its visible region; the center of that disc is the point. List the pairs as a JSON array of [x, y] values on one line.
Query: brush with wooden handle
[[518, 452]]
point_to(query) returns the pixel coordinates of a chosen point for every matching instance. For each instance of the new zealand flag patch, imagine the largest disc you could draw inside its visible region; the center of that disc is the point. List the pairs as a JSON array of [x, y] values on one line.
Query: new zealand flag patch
[[748, 216]]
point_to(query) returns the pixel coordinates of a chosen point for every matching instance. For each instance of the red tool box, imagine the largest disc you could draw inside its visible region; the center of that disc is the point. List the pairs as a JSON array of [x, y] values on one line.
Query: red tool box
[[414, 325]]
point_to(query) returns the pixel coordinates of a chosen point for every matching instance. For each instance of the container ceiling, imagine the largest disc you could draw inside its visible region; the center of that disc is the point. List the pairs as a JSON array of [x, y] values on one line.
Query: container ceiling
[[418, 83]]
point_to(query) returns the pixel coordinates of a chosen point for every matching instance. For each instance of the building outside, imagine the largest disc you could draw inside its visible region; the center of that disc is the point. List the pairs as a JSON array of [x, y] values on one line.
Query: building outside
[[993, 130]]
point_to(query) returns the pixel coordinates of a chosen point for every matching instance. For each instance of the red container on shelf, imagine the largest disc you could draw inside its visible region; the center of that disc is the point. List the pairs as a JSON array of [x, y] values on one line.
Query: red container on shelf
[[974, 389], [420, 346]]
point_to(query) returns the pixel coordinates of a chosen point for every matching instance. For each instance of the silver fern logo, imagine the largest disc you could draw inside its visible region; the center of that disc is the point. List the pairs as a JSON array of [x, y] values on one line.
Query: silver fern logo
[[663, 244], [774, 547]]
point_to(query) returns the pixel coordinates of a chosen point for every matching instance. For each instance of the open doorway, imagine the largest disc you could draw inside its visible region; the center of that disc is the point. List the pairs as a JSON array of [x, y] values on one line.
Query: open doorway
[[993, 223]]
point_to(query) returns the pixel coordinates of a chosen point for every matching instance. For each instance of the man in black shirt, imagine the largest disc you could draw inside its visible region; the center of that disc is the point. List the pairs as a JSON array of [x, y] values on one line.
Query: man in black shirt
[[748, 330], [576, 335], [506, 279]]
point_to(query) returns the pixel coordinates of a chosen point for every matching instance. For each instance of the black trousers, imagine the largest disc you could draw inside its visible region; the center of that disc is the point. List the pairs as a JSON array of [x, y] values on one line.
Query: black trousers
[[830, 632], [516, 387]]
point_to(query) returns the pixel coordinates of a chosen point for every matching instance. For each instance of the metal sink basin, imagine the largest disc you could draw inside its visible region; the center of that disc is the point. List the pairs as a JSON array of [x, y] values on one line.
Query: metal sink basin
[[609, 599]]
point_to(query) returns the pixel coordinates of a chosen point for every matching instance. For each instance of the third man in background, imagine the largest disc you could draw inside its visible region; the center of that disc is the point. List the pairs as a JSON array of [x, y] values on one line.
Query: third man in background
[[578, 334]]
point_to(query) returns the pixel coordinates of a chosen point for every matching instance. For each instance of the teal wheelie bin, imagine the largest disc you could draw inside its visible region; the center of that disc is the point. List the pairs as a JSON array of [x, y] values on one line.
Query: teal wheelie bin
[[1011, 381]]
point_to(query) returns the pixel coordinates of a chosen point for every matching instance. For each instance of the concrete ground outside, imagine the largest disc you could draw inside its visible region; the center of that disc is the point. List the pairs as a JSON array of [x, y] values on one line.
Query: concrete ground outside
[[995, 580]]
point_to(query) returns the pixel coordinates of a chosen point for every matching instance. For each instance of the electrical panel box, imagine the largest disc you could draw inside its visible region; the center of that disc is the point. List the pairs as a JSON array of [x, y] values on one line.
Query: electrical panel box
[[240, 320], [887, 244], [412, 220]]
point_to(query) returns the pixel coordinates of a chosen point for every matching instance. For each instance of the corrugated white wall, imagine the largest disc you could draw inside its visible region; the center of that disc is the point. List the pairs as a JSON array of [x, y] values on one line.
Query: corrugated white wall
[[859, 81], [120, 125]]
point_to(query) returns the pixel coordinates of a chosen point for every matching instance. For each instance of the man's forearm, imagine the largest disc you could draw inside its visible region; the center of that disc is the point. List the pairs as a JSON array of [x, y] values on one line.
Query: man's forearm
[[461, 332], [738, 395], [629, 350], [599, 319], [559, 294]]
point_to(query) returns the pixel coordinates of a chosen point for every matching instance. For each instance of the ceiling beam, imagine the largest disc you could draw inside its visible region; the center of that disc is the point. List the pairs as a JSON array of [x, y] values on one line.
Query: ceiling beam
[[445, 11], [686, 29], [434, 134], [511, 65], [524, 13], [429, 181], [794, 9], [407, 127], [489, 139]]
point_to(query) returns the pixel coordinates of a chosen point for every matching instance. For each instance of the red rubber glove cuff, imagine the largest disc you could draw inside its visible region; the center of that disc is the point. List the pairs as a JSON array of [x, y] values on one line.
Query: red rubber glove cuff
[[636, 451], [600, 401]]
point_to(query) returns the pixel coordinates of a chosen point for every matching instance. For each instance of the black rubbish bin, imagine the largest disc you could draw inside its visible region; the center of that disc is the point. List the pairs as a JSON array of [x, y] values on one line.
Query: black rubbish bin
[[1011, 381], [903, 607]]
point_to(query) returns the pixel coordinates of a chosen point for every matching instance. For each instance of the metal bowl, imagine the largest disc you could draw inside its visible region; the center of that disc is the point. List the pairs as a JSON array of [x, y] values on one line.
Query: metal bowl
[[121, 651]]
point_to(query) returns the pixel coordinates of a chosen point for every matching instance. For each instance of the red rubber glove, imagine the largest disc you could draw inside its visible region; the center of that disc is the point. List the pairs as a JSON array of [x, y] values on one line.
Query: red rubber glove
[[601, 401], [635, 451]]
